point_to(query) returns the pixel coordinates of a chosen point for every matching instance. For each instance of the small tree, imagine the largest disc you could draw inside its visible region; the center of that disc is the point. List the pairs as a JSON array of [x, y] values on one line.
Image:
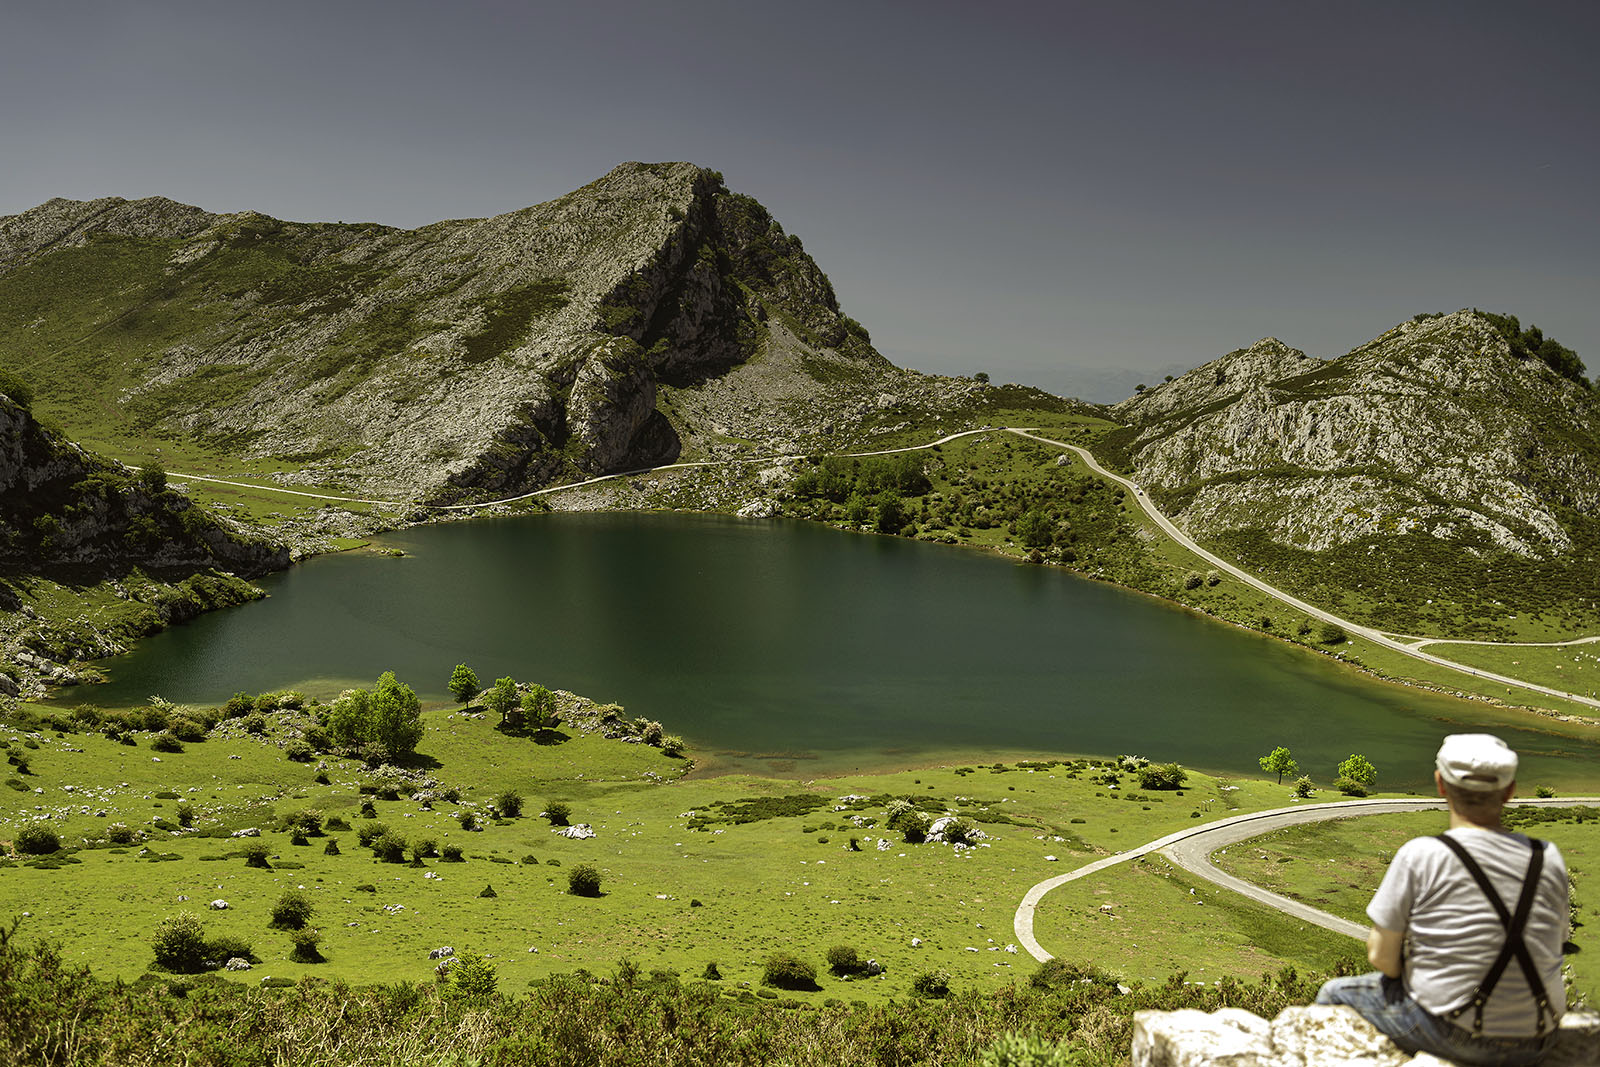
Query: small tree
[[1357, 768], [583, 881], [509, 803], [1279, 762], [845, 960], [932, 984], [1330, 633], [464, 683], [396, 715], [36, 839], [348, 716], [558, 812], [1303, 786], [501, 699], [304, 942], [539, 708], [982, 377]]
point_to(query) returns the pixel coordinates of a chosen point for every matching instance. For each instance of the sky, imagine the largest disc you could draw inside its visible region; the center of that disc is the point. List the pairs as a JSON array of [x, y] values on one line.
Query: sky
[[1070, 195]]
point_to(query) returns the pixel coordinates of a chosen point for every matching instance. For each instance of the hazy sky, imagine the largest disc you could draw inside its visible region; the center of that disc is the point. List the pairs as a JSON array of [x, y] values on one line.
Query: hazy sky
[[1039, 190]]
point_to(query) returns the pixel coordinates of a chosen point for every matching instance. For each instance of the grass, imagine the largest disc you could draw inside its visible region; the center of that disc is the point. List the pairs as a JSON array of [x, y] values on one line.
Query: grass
[[1575, 669], [759, 884], [1337, 866]]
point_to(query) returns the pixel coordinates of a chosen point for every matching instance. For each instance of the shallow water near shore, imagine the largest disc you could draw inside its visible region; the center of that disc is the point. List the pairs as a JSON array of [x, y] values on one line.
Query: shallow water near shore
[[795, 648]]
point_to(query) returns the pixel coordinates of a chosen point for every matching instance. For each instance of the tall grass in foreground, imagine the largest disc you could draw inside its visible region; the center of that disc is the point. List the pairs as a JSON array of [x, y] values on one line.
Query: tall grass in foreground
[[61, 1014]]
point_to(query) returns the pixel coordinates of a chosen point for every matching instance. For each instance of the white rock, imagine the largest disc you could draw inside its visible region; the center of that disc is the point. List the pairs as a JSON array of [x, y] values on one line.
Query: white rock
[[218, 905]]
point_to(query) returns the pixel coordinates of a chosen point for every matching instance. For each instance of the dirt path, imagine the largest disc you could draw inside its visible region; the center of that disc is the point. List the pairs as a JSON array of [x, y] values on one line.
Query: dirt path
[[1192, 849]]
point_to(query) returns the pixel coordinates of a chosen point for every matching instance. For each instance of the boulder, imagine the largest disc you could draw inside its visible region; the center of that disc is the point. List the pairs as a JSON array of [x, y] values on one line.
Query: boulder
[[218, 905], [237, 963]]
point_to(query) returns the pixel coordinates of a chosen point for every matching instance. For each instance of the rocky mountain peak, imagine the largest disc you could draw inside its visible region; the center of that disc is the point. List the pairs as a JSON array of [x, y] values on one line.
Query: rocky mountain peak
[[1265, 362]]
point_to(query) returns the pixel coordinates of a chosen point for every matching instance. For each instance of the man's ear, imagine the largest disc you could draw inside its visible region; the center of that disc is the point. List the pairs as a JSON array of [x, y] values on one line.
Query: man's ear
[[1511, 790], [1438, 782]]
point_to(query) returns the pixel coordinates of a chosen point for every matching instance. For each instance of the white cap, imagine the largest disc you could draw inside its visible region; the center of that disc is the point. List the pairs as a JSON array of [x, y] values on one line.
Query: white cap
[[1477, 761]]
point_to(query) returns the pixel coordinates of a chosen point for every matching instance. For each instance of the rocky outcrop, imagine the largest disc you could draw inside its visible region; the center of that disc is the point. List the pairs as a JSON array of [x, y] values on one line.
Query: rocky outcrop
[[1310, 1036], [61, 507], [1437, 427], [463, 360]]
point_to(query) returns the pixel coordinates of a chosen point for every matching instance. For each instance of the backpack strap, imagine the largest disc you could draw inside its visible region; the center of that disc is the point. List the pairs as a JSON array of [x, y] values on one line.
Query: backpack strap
[[1515, 946]]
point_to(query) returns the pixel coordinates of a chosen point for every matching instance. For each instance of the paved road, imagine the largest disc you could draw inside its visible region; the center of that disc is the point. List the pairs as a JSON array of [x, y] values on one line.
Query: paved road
[[1193, 847], [1377, 637]]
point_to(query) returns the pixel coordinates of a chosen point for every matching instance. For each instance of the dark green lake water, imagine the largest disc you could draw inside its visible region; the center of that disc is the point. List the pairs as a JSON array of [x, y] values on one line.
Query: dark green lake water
[[771, 641]]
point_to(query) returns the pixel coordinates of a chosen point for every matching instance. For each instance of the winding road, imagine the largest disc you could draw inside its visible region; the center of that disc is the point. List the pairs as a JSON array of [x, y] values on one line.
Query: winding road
[[1409, 646], [1192, 848]]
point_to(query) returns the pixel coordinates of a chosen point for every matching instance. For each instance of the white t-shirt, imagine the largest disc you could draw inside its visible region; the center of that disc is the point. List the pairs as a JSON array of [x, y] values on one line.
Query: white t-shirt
[[1453, 933]]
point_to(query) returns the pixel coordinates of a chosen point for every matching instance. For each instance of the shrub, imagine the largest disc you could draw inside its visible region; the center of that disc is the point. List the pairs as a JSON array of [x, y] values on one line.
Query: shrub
[[711, 973], [36, 839], [179, 943], [1193, 580], [187, 730], [844, 960], [239, 704], [119, 834], [369, 810], [186, 815], [914, 827], [557, 812], [452, 854], [299, 751], [472, 976], [468, 820], [672, 745], [318, 738], [583, 880], [464, 683], [390, 847], [166, 742], [1350, 787], [308, 822], [932, 984], [224, 947], [425, 846], [305, 941], [255, 724], [509, 803], [292, 911], [1162, 776], [334, 822], [331, 848], [487, 891], [786, 971], [960, 831], [1544, 792], [255, 855], [370, 832], [1302, 786], [1330, 633]]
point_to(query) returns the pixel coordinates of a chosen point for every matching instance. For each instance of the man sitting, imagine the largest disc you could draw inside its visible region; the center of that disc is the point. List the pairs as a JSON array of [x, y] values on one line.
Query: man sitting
[[1467, 926]]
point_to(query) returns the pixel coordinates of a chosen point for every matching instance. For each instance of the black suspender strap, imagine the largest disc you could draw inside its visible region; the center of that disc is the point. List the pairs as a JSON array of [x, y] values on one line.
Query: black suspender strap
[[1514, 946]]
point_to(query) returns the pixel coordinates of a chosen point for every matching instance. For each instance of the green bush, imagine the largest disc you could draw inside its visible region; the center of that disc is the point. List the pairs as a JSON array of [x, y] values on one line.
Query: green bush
[[367, 833], [672, 745], [452, 854], [557, 812], [390, 847], [308, 822], [224, 947], [305, 941], [36, 839], [467, 819], [299, 751], [1330, 633], [255, 855], [932, 984], [472, 977], [914, 827], [255, 724], [844, 960], [1350, 787], [179, 943], [119, 834], [786, 971], [583, 881], [1162, 776], [1026, 1050], [185, 729], [1303, 786], [331, 848], [509, 803], [166, 742], [960, 831], [292, 911]]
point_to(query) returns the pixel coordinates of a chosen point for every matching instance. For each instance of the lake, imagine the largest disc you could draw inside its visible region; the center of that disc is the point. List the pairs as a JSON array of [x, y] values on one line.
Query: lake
[[789, 646]]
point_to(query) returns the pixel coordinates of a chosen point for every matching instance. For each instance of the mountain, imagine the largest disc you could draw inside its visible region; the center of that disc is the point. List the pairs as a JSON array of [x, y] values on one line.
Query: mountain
[[649, 314], [1449, 453]]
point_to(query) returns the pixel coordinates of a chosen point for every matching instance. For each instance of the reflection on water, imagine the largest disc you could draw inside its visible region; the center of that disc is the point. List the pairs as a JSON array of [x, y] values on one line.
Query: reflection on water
[[787, 641]]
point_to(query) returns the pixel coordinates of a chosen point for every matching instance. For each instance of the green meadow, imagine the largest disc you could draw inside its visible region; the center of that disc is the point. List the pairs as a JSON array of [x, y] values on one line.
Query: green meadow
[[695, 869]]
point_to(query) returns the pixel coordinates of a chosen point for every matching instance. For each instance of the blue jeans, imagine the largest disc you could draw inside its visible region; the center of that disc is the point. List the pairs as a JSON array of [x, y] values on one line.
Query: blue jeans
[[1415, 1029]]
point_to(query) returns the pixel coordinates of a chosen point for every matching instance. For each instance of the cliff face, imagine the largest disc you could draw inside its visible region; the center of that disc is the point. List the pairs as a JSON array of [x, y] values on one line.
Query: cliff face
[[465, 359], [62, 508], [1435, 427]]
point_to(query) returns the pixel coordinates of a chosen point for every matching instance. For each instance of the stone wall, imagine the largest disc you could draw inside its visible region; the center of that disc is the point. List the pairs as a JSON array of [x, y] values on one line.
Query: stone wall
[[1309, 1036]]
